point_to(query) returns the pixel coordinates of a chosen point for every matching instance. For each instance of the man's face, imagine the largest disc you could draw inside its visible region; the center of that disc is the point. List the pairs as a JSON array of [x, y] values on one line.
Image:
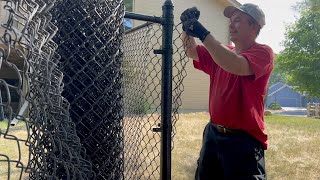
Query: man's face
[[239, 28]]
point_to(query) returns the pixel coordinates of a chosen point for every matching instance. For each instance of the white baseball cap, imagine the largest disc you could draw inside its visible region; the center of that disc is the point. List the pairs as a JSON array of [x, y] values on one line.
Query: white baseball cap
[[250, 9]]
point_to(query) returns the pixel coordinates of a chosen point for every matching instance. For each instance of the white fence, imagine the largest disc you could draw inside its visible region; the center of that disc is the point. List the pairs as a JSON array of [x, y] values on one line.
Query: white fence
[[313, 110]]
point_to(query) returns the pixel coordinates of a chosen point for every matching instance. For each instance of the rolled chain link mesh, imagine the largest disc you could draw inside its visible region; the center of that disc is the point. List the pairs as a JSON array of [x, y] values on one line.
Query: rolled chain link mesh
[[88, 94], [53, 149], [89, 38]]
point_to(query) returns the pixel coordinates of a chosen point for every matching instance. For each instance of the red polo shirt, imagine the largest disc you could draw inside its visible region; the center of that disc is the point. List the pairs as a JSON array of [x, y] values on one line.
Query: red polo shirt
[[237, 102]]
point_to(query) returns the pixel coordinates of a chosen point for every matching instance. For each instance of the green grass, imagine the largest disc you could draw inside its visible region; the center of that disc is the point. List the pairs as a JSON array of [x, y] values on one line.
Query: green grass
[[298, 123], [4, 124]]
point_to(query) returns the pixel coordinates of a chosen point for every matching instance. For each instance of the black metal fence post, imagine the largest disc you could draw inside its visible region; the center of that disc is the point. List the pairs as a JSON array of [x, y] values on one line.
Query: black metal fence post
[[166, 93]]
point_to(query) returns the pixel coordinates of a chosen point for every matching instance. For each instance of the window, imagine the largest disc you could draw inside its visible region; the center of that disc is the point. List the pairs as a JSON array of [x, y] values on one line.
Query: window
[[13, 92], [128, 23], [129, 5]]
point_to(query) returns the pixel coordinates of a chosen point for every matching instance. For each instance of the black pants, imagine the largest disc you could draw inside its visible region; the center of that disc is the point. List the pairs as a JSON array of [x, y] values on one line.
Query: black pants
[[230, 157]]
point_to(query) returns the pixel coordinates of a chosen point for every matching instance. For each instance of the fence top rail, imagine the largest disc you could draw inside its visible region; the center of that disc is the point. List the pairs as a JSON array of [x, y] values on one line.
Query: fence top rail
[[142, 17], [138, 27]]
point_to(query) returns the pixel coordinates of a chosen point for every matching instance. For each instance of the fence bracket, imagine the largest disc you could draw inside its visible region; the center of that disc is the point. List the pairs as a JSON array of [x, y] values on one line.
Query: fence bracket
[[157, 129], [158, 51]]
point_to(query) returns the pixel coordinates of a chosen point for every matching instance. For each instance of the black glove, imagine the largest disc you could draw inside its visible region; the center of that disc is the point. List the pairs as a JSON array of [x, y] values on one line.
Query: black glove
[[191, 13], [194, 28]]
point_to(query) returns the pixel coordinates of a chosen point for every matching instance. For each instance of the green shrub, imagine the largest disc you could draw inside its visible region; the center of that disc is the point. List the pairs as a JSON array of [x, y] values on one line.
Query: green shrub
[[142, 107], [267, 113], [275, 106]]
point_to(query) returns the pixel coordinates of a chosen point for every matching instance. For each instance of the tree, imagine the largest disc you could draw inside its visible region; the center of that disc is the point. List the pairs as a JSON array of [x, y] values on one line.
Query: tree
[[300, 59], [277, 75]]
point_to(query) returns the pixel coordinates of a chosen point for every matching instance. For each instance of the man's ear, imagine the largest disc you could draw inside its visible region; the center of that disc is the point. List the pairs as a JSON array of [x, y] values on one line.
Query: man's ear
[[256, 28]]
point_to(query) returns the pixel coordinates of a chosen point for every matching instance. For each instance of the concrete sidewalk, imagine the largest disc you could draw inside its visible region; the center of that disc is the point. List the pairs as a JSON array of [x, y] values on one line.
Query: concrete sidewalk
[[292, 111]]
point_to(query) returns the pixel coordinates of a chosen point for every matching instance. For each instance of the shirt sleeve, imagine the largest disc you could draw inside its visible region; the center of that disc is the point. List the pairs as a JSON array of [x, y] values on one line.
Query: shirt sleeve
[[205, 62], [260, 60]]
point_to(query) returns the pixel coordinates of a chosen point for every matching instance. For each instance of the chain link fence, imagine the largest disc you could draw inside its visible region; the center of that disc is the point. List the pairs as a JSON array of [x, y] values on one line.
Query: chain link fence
[[86, 100], [142, 97], [46, 144]]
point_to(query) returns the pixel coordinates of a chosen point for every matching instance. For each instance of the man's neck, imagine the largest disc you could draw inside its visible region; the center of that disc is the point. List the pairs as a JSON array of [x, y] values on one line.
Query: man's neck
[[240, 47]]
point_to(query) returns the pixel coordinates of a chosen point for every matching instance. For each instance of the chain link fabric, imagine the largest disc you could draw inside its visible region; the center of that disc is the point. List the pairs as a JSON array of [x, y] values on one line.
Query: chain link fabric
[[29, 54], [141, 70]]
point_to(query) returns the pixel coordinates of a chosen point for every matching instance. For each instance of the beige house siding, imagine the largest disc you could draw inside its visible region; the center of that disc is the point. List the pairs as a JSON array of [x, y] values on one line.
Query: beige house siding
[[3, 15], [8, 72], [196, 91]]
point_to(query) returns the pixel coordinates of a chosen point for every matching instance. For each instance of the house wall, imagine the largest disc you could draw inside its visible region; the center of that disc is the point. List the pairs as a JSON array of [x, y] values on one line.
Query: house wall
[[3, 15], [8, 73], [196, 84]]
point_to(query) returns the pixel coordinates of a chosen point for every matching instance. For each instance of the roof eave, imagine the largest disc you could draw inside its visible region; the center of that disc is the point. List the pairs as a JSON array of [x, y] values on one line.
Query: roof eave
[[234, 3], [230, 3]]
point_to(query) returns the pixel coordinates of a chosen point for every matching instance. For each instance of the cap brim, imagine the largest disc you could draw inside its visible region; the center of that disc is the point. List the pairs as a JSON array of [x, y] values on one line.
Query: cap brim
[[229, 10]]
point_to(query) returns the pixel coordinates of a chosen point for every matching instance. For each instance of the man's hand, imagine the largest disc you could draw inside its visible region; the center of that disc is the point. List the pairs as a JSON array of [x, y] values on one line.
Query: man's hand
[[194, 28], [190, 13]]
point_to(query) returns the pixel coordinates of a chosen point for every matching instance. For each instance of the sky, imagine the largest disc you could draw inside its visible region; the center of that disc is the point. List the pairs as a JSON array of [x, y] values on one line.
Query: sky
[[278, 13]]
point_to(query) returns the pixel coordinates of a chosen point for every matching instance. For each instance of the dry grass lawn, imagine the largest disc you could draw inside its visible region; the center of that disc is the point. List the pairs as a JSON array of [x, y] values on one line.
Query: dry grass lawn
[[9, 151], [293, 154]]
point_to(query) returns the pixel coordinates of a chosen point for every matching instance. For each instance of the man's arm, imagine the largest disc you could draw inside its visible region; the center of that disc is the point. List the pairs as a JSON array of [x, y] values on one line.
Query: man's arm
[[226, 58], [190, 46]]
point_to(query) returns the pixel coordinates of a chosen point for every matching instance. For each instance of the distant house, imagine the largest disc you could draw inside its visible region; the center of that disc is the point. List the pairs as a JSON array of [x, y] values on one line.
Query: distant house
[[286, 96]]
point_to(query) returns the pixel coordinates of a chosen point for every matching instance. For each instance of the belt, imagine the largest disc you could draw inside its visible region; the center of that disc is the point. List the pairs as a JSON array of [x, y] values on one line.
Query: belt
[[225, 130]]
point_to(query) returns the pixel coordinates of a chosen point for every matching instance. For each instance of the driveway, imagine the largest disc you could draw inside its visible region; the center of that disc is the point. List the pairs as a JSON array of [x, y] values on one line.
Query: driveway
[[293, 111]]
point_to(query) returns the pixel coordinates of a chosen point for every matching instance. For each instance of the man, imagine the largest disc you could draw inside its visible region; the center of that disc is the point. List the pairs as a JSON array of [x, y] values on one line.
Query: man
[[234, 140]]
